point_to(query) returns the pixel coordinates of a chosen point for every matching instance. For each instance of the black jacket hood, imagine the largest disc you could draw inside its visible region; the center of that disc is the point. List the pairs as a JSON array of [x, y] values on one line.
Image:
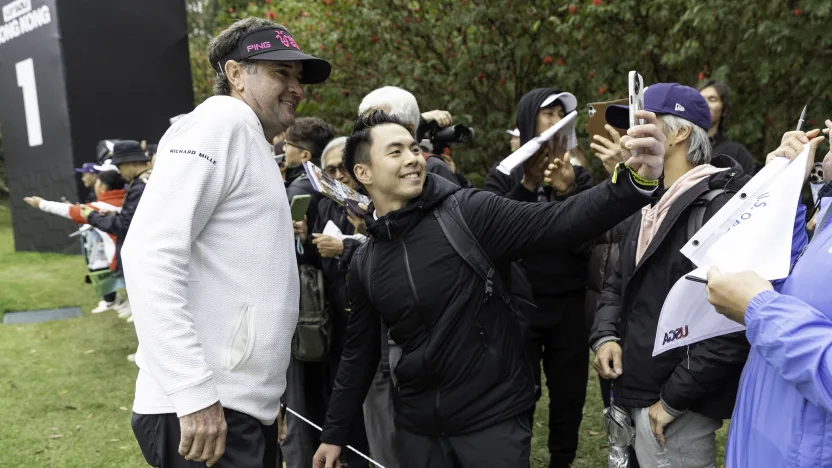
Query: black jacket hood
[[527, 111], [293, 173], [395, 223]]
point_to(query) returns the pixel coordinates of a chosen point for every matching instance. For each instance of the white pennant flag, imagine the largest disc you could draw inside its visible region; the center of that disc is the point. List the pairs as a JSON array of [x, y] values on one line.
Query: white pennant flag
[[753, 231]]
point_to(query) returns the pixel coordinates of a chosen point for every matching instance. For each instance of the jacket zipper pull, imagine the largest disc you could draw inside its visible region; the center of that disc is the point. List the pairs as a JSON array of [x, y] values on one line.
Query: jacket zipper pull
[[387, 224], [489, 285], [482, 336]]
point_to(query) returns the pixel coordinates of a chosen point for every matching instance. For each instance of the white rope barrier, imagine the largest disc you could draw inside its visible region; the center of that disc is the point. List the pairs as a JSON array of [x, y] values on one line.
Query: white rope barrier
[[319, 429]]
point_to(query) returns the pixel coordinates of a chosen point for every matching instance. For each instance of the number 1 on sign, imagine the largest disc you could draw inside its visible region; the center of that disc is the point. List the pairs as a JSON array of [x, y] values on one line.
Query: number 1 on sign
[[26, 80]]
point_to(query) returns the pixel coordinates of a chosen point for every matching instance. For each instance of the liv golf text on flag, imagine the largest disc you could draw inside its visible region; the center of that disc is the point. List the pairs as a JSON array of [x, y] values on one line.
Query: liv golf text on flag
[[753, 231]]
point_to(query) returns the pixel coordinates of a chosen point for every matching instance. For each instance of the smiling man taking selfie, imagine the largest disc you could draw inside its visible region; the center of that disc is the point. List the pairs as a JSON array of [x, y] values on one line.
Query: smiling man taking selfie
[[215, 316], [464, 383]]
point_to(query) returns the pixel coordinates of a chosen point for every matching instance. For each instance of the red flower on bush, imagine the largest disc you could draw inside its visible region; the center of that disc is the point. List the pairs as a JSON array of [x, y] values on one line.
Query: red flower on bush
[[268, 1], [701, 76], [592, 74], [374, 39], [597, 2], [230, 10], [481, 76], [345, 92], [348, 56], [322, 47], [602, 90], [798, 12], [572, 9], [407, 19], [547, 59], [271, 15], [560, 62], [305, 14], [502, 81]]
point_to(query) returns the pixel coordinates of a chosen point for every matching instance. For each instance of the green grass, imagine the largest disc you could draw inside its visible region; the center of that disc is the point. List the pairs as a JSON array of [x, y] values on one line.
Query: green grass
[[70, 378], [66, 386]]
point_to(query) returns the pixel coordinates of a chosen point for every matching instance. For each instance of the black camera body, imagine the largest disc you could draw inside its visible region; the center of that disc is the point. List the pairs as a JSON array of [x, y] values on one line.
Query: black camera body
[[442, 137]]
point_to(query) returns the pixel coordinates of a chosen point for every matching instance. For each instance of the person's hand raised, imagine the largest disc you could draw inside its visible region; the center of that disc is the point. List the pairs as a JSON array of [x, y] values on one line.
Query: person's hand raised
[[561, 175], [793, 143], [34, 202], [608, 151], [441, 117], [358, 222], [643, 147]]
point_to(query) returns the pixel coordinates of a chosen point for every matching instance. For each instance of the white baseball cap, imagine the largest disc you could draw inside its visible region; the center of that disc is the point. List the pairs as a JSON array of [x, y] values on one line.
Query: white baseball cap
[[514, 133], [570, 102]]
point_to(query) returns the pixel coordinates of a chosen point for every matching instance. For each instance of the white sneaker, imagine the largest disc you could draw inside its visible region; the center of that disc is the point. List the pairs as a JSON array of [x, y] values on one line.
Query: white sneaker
[[131, 357], [103, 306], [123, 309]]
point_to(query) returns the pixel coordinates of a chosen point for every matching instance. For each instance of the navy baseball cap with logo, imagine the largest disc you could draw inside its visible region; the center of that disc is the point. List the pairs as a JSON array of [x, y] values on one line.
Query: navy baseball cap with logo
[[275, 44], [87, 168], [666, 98]]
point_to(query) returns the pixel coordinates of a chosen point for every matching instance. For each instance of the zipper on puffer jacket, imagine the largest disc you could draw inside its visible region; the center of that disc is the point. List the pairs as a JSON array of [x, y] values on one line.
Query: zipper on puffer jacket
[[407, 269]]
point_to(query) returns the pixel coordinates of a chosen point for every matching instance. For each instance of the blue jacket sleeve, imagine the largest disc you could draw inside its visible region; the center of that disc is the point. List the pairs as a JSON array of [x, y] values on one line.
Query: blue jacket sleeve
[[796, 340], [799, 240]]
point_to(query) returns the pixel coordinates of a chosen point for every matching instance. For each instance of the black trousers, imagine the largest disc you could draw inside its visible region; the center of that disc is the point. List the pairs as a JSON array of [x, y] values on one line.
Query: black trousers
[[249, 444], [559, 339], [506, 445]]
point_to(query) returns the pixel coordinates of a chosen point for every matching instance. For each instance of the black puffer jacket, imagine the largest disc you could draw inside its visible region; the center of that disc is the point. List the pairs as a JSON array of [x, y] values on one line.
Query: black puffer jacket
[[558, 272], [603, 260], [702, 377], [463, 366]]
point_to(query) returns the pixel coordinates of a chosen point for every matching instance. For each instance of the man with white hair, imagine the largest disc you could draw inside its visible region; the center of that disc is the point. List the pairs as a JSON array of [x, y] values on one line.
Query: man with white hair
[[679, 398], [402, 104]]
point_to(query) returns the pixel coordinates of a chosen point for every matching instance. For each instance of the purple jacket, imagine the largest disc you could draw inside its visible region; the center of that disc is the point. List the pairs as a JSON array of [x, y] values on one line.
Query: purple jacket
[[783, 415]]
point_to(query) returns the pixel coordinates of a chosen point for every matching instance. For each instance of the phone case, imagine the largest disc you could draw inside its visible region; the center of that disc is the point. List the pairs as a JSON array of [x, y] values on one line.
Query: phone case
[[636, 88]]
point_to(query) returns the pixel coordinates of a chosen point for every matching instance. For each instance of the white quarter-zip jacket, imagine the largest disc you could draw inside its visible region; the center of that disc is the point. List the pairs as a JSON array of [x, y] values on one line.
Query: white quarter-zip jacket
[[210, 269]]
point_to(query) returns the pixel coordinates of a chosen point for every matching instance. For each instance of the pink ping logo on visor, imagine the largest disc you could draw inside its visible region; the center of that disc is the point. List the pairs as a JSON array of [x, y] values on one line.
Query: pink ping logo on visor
[[286, 39], [256, 47]]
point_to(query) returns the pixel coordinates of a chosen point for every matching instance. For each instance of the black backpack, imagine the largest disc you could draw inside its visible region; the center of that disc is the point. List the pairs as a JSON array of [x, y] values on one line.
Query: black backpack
[[517, 296], [696, 218]]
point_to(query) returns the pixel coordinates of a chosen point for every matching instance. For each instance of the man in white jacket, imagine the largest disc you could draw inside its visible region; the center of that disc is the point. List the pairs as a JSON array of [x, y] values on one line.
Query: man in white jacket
[[210, 264]]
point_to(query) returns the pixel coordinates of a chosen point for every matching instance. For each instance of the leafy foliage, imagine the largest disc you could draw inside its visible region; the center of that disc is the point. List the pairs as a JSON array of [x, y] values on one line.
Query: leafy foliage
[[477, 58]]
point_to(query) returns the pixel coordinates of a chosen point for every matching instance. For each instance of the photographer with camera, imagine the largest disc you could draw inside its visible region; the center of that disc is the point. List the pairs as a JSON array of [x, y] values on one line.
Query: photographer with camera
[[434, 126], [558, 332]]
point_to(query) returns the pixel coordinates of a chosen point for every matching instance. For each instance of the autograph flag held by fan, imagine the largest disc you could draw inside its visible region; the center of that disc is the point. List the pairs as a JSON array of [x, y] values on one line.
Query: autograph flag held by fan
[[748, 233]]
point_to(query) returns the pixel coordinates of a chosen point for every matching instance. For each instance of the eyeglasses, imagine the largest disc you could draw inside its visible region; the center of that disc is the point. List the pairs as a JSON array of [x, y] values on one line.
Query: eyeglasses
[[333, 170], [287, 142]]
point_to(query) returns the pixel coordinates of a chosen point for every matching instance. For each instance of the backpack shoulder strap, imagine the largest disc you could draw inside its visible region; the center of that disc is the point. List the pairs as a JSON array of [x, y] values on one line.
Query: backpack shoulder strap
[[466, 245], [696, 218], [362, 265]]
